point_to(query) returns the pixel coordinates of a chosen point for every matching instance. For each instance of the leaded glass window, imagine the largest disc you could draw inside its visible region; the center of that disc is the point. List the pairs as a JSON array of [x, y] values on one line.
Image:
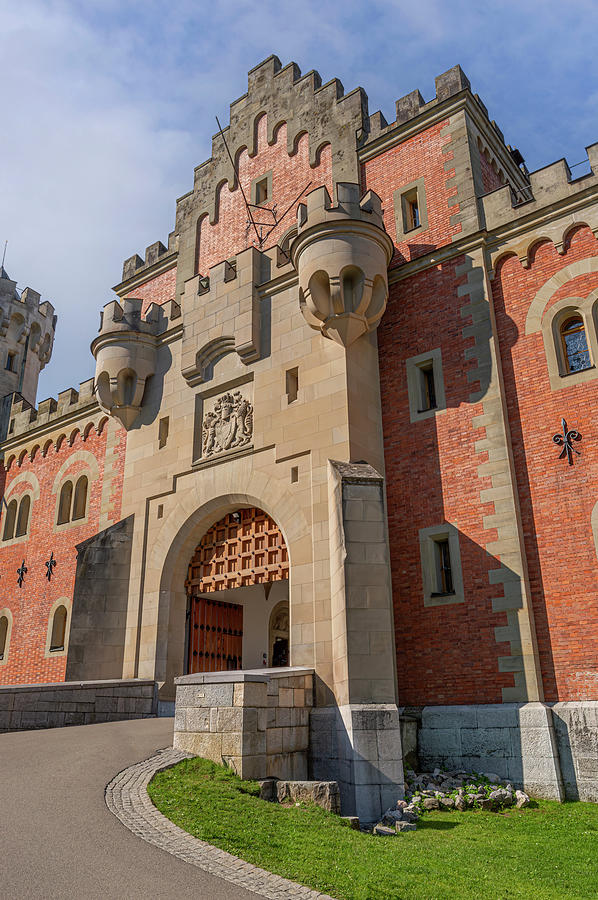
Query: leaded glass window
[[575, 345]]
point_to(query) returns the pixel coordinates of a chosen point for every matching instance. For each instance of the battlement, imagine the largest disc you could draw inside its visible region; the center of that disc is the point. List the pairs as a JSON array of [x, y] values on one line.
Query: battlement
[[26, 304], [285, 96], [27, 326], [412, 105], [318, 207], [128, 317], [125, 352], [24, 416], [156, 252], [341, 254], [547, 186], [449, 84]]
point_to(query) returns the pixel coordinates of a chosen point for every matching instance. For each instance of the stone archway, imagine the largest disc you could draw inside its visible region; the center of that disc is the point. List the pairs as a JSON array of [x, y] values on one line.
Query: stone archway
[[229, 593]]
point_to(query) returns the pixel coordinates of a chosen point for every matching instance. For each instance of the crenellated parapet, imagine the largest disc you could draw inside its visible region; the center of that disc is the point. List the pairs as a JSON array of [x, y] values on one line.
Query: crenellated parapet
[[550, 185], [341, 254], [157, 256], [125, 351], [27, 327]]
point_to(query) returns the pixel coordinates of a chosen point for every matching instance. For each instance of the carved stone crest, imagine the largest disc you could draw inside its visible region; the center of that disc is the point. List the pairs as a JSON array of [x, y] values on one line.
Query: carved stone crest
[[229, 424]]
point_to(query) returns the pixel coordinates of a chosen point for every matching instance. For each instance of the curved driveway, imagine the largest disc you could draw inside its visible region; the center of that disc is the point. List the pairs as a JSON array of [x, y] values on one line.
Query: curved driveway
[[57, 837]]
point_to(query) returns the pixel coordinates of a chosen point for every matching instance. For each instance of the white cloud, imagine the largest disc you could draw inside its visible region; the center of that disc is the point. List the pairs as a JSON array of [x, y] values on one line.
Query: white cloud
[[108, 104]]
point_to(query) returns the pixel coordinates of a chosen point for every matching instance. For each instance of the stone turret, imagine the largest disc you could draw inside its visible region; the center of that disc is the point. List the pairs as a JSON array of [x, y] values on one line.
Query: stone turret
[[125, 352], [341, 254], [26, 338]]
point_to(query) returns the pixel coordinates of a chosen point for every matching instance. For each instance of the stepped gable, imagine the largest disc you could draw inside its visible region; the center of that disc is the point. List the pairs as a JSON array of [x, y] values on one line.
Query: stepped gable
[[323, 111]]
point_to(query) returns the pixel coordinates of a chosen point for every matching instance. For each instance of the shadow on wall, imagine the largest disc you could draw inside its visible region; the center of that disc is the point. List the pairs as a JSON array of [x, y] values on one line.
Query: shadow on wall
[[154, 389], [477, 635], [100, 599]]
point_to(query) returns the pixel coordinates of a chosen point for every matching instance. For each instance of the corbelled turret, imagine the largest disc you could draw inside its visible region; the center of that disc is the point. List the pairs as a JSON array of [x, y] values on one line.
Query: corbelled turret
[[27, 336], [125, 354], [341, 254]]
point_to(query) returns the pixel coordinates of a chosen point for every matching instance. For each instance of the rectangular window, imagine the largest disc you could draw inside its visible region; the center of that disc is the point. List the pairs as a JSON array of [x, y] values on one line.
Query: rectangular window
[[411, 217], [444, 571], [428, 387], [163, 432], [411, 214], [261, 189], [425, 385], [442, 577], [292, 384], [261, 192], [11, 362]]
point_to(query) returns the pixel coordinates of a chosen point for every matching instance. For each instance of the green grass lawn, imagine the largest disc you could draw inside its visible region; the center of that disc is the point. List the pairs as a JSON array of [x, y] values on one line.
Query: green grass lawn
[[548, 851]]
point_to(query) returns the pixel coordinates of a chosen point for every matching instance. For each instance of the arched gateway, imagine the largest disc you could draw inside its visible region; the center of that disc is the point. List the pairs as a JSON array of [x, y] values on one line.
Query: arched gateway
[[237, 582]]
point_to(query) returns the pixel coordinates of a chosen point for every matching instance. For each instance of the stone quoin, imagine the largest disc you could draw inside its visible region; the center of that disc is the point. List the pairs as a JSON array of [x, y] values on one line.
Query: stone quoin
[[312, 492]]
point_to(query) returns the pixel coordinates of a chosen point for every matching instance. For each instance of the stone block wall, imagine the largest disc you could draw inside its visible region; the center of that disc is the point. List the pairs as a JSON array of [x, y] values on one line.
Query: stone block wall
[[255, 721], [550, 750], [30, 706], [576, 729]]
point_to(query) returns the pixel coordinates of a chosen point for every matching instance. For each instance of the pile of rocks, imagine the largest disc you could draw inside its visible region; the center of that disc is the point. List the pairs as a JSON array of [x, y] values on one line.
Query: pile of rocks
[[442, 790], [403, 817], [460, 790]]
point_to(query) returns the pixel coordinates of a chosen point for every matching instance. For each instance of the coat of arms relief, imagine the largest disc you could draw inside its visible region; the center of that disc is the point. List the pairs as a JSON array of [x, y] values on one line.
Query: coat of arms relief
[[228, 425]]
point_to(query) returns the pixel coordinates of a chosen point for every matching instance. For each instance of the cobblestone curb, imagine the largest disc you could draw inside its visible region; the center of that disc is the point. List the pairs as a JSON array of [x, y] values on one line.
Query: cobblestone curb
[[128, 799]]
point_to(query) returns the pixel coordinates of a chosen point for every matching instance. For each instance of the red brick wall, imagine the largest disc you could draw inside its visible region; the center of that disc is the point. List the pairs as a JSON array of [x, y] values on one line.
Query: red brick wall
[[420, 156], [490, 178], [290, 175], [30, 604], [556, 499], [446, 654], [158, 290]]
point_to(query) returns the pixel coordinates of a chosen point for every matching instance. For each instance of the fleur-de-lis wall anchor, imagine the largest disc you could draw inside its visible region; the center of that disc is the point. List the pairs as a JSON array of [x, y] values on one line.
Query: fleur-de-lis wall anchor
[[21, 572], [565, 440], [50, 566]]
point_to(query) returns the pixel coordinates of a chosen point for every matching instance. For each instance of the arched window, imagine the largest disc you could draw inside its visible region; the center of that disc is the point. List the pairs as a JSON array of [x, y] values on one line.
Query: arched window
[[80, 501], [3, 636], [64, 506], [23, 517], [58, 629], [10, 520], [575, 345]]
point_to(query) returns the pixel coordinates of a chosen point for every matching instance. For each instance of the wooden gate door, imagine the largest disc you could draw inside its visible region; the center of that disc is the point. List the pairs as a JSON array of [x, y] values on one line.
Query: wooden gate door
[[242, 549], [215, 635]]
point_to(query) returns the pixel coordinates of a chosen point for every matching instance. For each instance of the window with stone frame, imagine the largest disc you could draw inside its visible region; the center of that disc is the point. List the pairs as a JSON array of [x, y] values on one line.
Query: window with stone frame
[[576, 354]]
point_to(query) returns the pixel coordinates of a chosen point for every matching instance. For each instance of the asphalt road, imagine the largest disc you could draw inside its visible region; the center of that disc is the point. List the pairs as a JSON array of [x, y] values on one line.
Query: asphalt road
[[57, 837]]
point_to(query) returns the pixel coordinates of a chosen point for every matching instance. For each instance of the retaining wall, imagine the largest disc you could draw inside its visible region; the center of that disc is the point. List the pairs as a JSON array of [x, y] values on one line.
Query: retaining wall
[[255, 721], [551, 750], [28, 706]]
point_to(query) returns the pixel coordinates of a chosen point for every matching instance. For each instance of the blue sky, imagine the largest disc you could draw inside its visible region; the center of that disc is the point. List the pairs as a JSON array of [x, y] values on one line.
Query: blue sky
[[107, 105]]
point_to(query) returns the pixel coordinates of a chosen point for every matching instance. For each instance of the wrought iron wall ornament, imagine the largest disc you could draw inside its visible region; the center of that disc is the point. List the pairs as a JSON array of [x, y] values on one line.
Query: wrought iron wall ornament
[[565, 440], [21, 572], [50, 565]]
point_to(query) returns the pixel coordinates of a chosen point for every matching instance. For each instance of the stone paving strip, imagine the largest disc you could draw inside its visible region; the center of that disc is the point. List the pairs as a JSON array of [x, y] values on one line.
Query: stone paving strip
[[128, 799]]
